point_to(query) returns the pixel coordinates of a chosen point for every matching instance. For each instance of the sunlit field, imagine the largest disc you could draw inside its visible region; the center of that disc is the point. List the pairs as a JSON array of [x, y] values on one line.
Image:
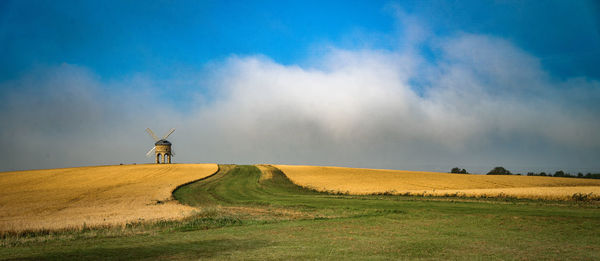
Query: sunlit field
[[94, 196], [256, 212], [376, 181]]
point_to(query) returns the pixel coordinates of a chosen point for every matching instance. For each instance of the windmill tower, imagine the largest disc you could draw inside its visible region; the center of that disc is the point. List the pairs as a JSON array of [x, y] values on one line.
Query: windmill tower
[[162, 147]]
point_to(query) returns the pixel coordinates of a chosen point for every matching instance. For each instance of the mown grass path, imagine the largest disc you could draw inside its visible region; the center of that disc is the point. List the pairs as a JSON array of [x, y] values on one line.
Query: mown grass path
[[248, 214]]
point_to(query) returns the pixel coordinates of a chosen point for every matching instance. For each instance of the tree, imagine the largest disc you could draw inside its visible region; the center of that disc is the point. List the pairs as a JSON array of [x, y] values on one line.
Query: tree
[[459, 170], [499, 171], [559, 173]]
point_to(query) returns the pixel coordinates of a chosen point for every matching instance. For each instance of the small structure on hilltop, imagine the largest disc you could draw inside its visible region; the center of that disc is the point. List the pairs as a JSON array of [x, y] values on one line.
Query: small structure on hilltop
[[162, 147]]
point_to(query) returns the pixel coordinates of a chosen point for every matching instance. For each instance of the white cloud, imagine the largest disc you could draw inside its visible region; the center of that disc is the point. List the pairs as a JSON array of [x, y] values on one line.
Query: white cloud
[[484, 103], [485, 93]]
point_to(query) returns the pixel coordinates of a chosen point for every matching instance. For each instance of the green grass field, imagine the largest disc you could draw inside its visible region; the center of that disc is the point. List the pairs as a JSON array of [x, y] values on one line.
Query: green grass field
[[245, 217]]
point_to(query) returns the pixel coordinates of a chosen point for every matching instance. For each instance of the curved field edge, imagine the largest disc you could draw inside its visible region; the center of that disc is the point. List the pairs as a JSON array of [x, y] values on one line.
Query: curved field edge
[[354, 181], [41, 201]]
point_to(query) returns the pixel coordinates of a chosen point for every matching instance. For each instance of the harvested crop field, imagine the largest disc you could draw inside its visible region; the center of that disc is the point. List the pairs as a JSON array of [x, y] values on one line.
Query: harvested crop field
[[373, 181], [94, 196]]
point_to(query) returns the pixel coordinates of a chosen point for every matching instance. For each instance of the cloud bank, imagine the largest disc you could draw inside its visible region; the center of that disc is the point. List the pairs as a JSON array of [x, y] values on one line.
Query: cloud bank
[[481, 103]]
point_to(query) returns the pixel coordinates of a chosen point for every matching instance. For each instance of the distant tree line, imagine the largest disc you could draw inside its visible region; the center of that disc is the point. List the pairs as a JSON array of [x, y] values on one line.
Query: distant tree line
[[458, 170], [560, 173]]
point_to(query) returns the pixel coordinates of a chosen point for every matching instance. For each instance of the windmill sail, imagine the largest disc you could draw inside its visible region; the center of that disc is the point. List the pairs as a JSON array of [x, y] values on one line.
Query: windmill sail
[[150, 151], [168, 134], [149, 131]]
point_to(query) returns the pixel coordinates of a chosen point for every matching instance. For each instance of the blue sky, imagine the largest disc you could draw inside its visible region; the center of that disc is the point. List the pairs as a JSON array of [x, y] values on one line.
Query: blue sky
[[121, 37], [117, 38], [439, 83]]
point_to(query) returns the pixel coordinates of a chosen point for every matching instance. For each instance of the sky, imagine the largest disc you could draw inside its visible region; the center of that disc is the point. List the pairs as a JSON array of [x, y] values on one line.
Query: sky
[[412, 85]]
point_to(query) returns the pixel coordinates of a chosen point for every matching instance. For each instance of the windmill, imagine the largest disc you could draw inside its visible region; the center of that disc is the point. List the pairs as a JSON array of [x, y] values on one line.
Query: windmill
[[162, 147]]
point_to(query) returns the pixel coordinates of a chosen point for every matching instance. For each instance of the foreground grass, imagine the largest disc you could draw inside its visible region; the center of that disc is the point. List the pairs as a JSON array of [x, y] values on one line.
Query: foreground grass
[[246, 216]]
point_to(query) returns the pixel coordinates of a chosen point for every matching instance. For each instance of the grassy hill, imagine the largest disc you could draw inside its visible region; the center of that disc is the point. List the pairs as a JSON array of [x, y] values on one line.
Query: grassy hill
[[255, 212]]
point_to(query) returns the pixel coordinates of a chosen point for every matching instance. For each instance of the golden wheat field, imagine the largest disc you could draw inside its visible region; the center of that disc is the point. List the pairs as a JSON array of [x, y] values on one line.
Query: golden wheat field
[[94, 196], [373, 181]]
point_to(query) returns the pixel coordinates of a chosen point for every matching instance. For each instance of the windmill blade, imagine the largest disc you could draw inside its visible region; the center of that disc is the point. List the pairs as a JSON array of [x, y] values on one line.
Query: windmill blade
[[150, 151], [149, 131], [172, 152], [166, 136]]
